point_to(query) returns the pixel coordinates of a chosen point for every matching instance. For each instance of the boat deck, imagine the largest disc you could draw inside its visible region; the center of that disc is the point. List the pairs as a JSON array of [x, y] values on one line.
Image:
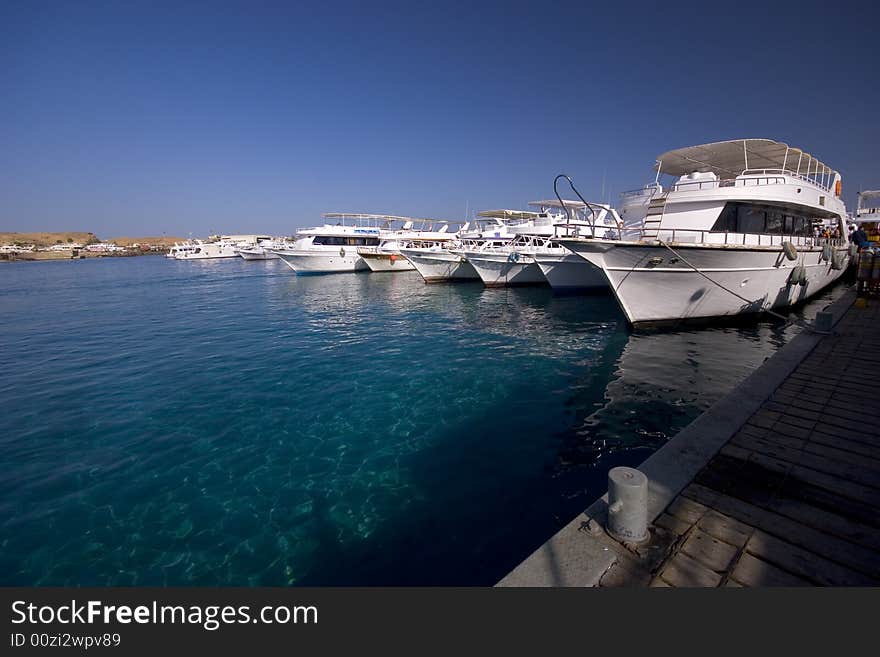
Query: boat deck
[[776, 485]]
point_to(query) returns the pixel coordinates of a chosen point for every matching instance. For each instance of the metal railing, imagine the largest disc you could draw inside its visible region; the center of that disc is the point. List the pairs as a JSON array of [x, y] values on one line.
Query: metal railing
[[751, 181], [573, 228], [698, 236], [748, 178]]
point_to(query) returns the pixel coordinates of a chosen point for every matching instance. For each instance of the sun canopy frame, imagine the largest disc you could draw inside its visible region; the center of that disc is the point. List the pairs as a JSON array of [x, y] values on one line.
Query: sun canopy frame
[[509, 214], [737, 156], [568, 203]]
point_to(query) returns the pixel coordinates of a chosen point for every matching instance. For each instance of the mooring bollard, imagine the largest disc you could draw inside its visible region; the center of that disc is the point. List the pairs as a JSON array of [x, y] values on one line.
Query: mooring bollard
[[627, 505], [823, 322]]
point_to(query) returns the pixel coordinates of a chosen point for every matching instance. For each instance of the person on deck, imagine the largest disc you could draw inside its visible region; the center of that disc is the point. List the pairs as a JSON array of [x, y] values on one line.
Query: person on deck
[[860, 237]]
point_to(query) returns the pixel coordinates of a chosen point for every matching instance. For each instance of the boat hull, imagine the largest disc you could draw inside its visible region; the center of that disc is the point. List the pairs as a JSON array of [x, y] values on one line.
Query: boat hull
[[440, 266], [502, 270], [262, 254], [208, 252], [380, 262], [317, 262], [570, 272], [653, 285]]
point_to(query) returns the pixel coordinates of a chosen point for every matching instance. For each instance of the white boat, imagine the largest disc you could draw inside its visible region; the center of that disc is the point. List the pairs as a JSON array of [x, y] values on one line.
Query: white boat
[[415, 234], [177, 248], [438, 263], [199, 250], [732, 235], [535, 257], [333, 247], [867, 216], [502, 265], [264, 249], [511, 262]]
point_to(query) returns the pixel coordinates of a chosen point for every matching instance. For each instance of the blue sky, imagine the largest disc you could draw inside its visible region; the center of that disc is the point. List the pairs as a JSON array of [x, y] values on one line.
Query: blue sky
[[143, 118]]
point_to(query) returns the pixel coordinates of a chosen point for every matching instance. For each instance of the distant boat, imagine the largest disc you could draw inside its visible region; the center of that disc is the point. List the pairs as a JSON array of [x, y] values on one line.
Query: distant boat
[[199, 250]]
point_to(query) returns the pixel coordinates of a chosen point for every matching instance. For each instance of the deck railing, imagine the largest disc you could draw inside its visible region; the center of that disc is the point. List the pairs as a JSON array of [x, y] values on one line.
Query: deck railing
[[748, 178], [697, 236]]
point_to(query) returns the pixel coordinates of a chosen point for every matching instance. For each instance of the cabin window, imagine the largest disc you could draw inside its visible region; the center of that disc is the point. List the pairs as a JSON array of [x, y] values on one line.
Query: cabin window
[[775, 222], [764, 219], [361, 241], [329, 240], [750, 219], [727, 219]]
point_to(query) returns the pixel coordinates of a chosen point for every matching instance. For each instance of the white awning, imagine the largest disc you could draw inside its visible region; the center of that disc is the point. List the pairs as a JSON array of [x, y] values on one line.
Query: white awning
[[384, 217], [731, 158], [508, 214], [554, 203]]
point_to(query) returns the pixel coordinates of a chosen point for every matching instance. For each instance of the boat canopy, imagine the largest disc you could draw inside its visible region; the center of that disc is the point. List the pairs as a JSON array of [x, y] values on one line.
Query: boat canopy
[[732, 158], [509, 214], [868, 199], [554, 203], [387, 219]]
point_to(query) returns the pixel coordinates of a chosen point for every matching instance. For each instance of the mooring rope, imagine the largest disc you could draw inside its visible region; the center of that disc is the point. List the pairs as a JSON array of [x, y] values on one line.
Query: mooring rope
[[787, 320]]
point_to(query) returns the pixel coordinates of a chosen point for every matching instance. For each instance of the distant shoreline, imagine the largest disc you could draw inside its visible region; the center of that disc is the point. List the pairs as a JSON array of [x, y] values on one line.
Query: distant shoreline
[[54, 256], [77, 245]]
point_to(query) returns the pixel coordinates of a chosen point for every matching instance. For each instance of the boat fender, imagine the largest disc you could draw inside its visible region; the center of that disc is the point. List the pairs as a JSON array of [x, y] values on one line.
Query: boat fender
[[798, 276], [789, 250], [393, 258], [836, 260], [827, 252], [342, 252], [853, 249]]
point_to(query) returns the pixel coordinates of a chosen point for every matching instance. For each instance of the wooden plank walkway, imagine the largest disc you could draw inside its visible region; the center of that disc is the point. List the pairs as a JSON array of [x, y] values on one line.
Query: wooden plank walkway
[[793, 499]]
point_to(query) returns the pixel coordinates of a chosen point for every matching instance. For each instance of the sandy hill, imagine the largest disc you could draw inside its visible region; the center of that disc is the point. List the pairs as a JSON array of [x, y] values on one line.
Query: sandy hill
[[48, 239], [159, 241]]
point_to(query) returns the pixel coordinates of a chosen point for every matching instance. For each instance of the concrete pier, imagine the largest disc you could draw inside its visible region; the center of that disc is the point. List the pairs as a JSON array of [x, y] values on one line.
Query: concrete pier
[[777, 484]]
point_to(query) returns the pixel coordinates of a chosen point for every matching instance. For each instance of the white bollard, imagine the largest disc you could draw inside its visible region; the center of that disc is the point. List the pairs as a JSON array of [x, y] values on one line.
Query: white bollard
[[627, 505]]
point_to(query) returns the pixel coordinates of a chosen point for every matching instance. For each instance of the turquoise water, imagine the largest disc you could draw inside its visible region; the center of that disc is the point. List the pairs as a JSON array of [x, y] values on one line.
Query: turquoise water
[[225, 422]]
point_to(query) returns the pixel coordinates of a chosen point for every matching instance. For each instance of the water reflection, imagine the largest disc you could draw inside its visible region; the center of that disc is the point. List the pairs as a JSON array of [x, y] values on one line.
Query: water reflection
[[665, 379]]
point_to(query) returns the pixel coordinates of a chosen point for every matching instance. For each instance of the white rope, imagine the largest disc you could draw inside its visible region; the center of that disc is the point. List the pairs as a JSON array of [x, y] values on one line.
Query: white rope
[[738, 296]]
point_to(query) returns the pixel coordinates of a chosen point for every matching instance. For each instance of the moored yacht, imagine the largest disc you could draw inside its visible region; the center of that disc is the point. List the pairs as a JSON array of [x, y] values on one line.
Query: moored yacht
[[732, 235], [264, 249], [200, 250], [867, 216], [333, 247], [497, 261], [535, 257], [437, 263], [415, 234]]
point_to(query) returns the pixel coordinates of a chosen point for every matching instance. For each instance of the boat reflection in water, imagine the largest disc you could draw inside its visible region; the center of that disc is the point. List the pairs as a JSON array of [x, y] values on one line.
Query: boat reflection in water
[[665, 379]]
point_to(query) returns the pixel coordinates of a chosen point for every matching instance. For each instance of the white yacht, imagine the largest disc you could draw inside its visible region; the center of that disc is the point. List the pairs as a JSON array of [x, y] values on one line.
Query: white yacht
[[438, 263], [535, 257], [415, 234], [867, 215], [264, 249], [732, 235], [564, 270], [200, 250], [178, 248], [333, 247]]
